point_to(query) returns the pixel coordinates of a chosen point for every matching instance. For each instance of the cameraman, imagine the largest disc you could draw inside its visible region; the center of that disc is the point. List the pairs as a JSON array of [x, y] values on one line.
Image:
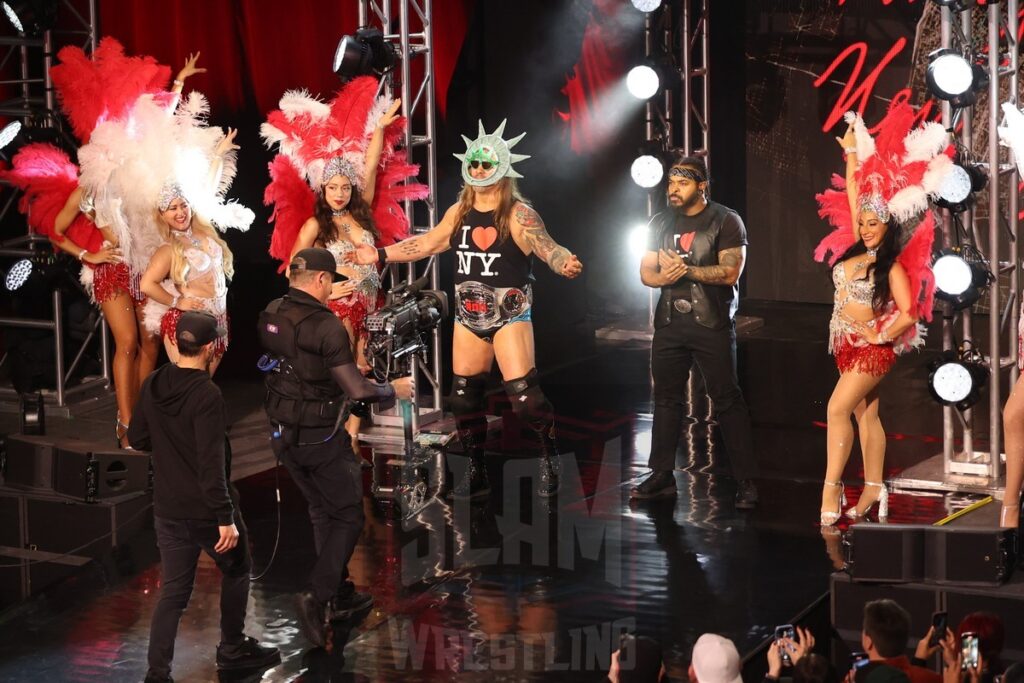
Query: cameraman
[[306, 403]]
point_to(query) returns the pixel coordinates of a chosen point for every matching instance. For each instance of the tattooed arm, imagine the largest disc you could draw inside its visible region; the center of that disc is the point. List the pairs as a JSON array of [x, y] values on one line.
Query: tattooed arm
[[527, 224], [414, 248], [727, 272]]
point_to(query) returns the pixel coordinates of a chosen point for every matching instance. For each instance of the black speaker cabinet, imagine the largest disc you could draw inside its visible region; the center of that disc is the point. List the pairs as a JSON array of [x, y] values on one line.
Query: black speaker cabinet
[[969, 556], [893, 553], [29, 462], [97, 475]]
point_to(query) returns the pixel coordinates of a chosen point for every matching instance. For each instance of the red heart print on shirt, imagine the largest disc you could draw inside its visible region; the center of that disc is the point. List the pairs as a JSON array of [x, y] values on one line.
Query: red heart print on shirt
[[485, 237], [686, 240]]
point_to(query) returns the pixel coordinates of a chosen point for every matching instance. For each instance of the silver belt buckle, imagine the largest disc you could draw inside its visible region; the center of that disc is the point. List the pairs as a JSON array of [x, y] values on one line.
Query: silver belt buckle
[[682, 305]]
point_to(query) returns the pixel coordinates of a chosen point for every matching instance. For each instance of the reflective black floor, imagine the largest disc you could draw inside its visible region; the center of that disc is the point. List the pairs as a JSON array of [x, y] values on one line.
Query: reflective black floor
[[516, 589]]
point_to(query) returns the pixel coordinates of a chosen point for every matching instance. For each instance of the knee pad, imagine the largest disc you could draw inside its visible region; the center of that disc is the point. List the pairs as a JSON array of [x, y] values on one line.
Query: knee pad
[[468, 395], [529, 402]]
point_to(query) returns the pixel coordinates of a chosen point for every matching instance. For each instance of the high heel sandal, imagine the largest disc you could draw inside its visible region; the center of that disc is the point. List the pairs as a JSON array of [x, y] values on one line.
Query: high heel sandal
[[120, 432], [829, 518], [882, 502]]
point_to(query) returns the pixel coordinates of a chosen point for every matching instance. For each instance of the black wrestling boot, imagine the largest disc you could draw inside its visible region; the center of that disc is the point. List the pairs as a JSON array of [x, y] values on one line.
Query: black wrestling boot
[[472, 483], [312, 618], [661, 484], [547, 478], [158, 678], [248, 654], [347, 602], [746, 495]]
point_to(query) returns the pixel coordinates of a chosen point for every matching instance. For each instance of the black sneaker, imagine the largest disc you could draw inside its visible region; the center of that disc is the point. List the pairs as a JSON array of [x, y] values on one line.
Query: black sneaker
[[248, 654], [343, 607], [746, 495], [158, 678], [661, 484], [312, 618]]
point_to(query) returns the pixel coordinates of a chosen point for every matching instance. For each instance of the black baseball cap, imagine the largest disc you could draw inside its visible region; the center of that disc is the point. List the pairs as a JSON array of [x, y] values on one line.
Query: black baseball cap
[[315, 258], [198, 327]]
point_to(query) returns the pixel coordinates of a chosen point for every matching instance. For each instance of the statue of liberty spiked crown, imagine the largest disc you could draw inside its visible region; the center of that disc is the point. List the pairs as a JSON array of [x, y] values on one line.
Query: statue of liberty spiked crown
[[491, 150]]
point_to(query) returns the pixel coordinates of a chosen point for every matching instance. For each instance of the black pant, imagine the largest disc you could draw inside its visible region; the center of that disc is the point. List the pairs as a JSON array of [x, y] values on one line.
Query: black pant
[[180, 542], [676, 346], [330, 477]]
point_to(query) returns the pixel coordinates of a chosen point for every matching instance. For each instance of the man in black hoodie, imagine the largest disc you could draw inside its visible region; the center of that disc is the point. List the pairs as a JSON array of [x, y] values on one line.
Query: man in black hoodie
[[180, 419]]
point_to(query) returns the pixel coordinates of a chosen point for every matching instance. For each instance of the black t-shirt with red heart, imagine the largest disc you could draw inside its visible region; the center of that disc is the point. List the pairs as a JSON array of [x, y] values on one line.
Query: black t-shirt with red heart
[[482, 257], [674, 231]]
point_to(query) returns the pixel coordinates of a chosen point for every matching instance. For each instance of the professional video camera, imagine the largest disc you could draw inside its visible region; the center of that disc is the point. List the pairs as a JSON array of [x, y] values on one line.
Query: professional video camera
[[397, 331]]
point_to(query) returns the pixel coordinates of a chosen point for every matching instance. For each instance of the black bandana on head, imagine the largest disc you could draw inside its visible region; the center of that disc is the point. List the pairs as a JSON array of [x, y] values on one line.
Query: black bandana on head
[[681, 172]]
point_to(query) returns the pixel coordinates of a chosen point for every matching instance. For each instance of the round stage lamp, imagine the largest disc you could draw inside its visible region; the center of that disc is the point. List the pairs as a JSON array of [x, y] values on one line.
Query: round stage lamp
[[956, 379], [637, 240], [9, 132], [646, 5], [364, 54], [960, 185], [31, 17], [949, 74], [647, 171], [18, 275], [643, 82], [952, 274]]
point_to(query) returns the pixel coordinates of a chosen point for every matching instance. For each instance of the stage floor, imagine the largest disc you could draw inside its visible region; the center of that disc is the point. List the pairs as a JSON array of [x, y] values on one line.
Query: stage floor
[[515, 589]]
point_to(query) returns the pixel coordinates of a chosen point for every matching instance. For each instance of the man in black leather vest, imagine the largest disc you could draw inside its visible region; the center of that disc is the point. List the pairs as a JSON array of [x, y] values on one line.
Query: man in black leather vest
[[695, 254], [306, 403]]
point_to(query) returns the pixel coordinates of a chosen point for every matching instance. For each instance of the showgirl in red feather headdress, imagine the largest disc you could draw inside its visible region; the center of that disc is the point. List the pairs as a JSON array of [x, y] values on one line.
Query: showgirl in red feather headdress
[[880, 257], [337, 182]]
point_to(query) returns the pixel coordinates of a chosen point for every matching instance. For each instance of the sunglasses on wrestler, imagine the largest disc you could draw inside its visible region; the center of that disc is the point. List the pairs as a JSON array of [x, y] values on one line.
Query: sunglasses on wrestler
[[476, 163]]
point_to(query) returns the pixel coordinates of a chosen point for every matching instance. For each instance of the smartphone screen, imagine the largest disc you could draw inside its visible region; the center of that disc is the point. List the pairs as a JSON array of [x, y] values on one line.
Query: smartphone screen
[[781, 632], [969, 651], [939, 625]]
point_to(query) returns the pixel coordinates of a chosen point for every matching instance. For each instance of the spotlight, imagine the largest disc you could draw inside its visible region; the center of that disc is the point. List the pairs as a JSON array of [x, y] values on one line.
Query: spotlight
[[637, 240], [956, 379], [366, 53], [950, 76], [961, 275], [647, 171], [646, 5], [643, 82], [31, 17], [18, 275], [9, 132], [959, 186]]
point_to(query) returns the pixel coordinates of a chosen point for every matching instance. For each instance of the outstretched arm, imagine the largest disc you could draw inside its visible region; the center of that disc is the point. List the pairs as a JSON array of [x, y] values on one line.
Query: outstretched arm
[[849, 144], [374, 150], [190, 69], [226, 144], [434, 241], [528, 224]]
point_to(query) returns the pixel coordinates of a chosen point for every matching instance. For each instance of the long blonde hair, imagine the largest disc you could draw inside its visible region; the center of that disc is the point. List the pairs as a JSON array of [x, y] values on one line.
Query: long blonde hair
[[200, 228], [509, 196]]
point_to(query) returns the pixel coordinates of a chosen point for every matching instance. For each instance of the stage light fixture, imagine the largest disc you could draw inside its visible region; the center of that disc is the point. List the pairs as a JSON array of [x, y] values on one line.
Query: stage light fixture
[[637, 240], [646, 5], [647, 171], [31, 17], [9, 132], [959, 186], [18, 275], [956, 379], [951, 76], [961, 276], [364, 54], [643, 82]]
